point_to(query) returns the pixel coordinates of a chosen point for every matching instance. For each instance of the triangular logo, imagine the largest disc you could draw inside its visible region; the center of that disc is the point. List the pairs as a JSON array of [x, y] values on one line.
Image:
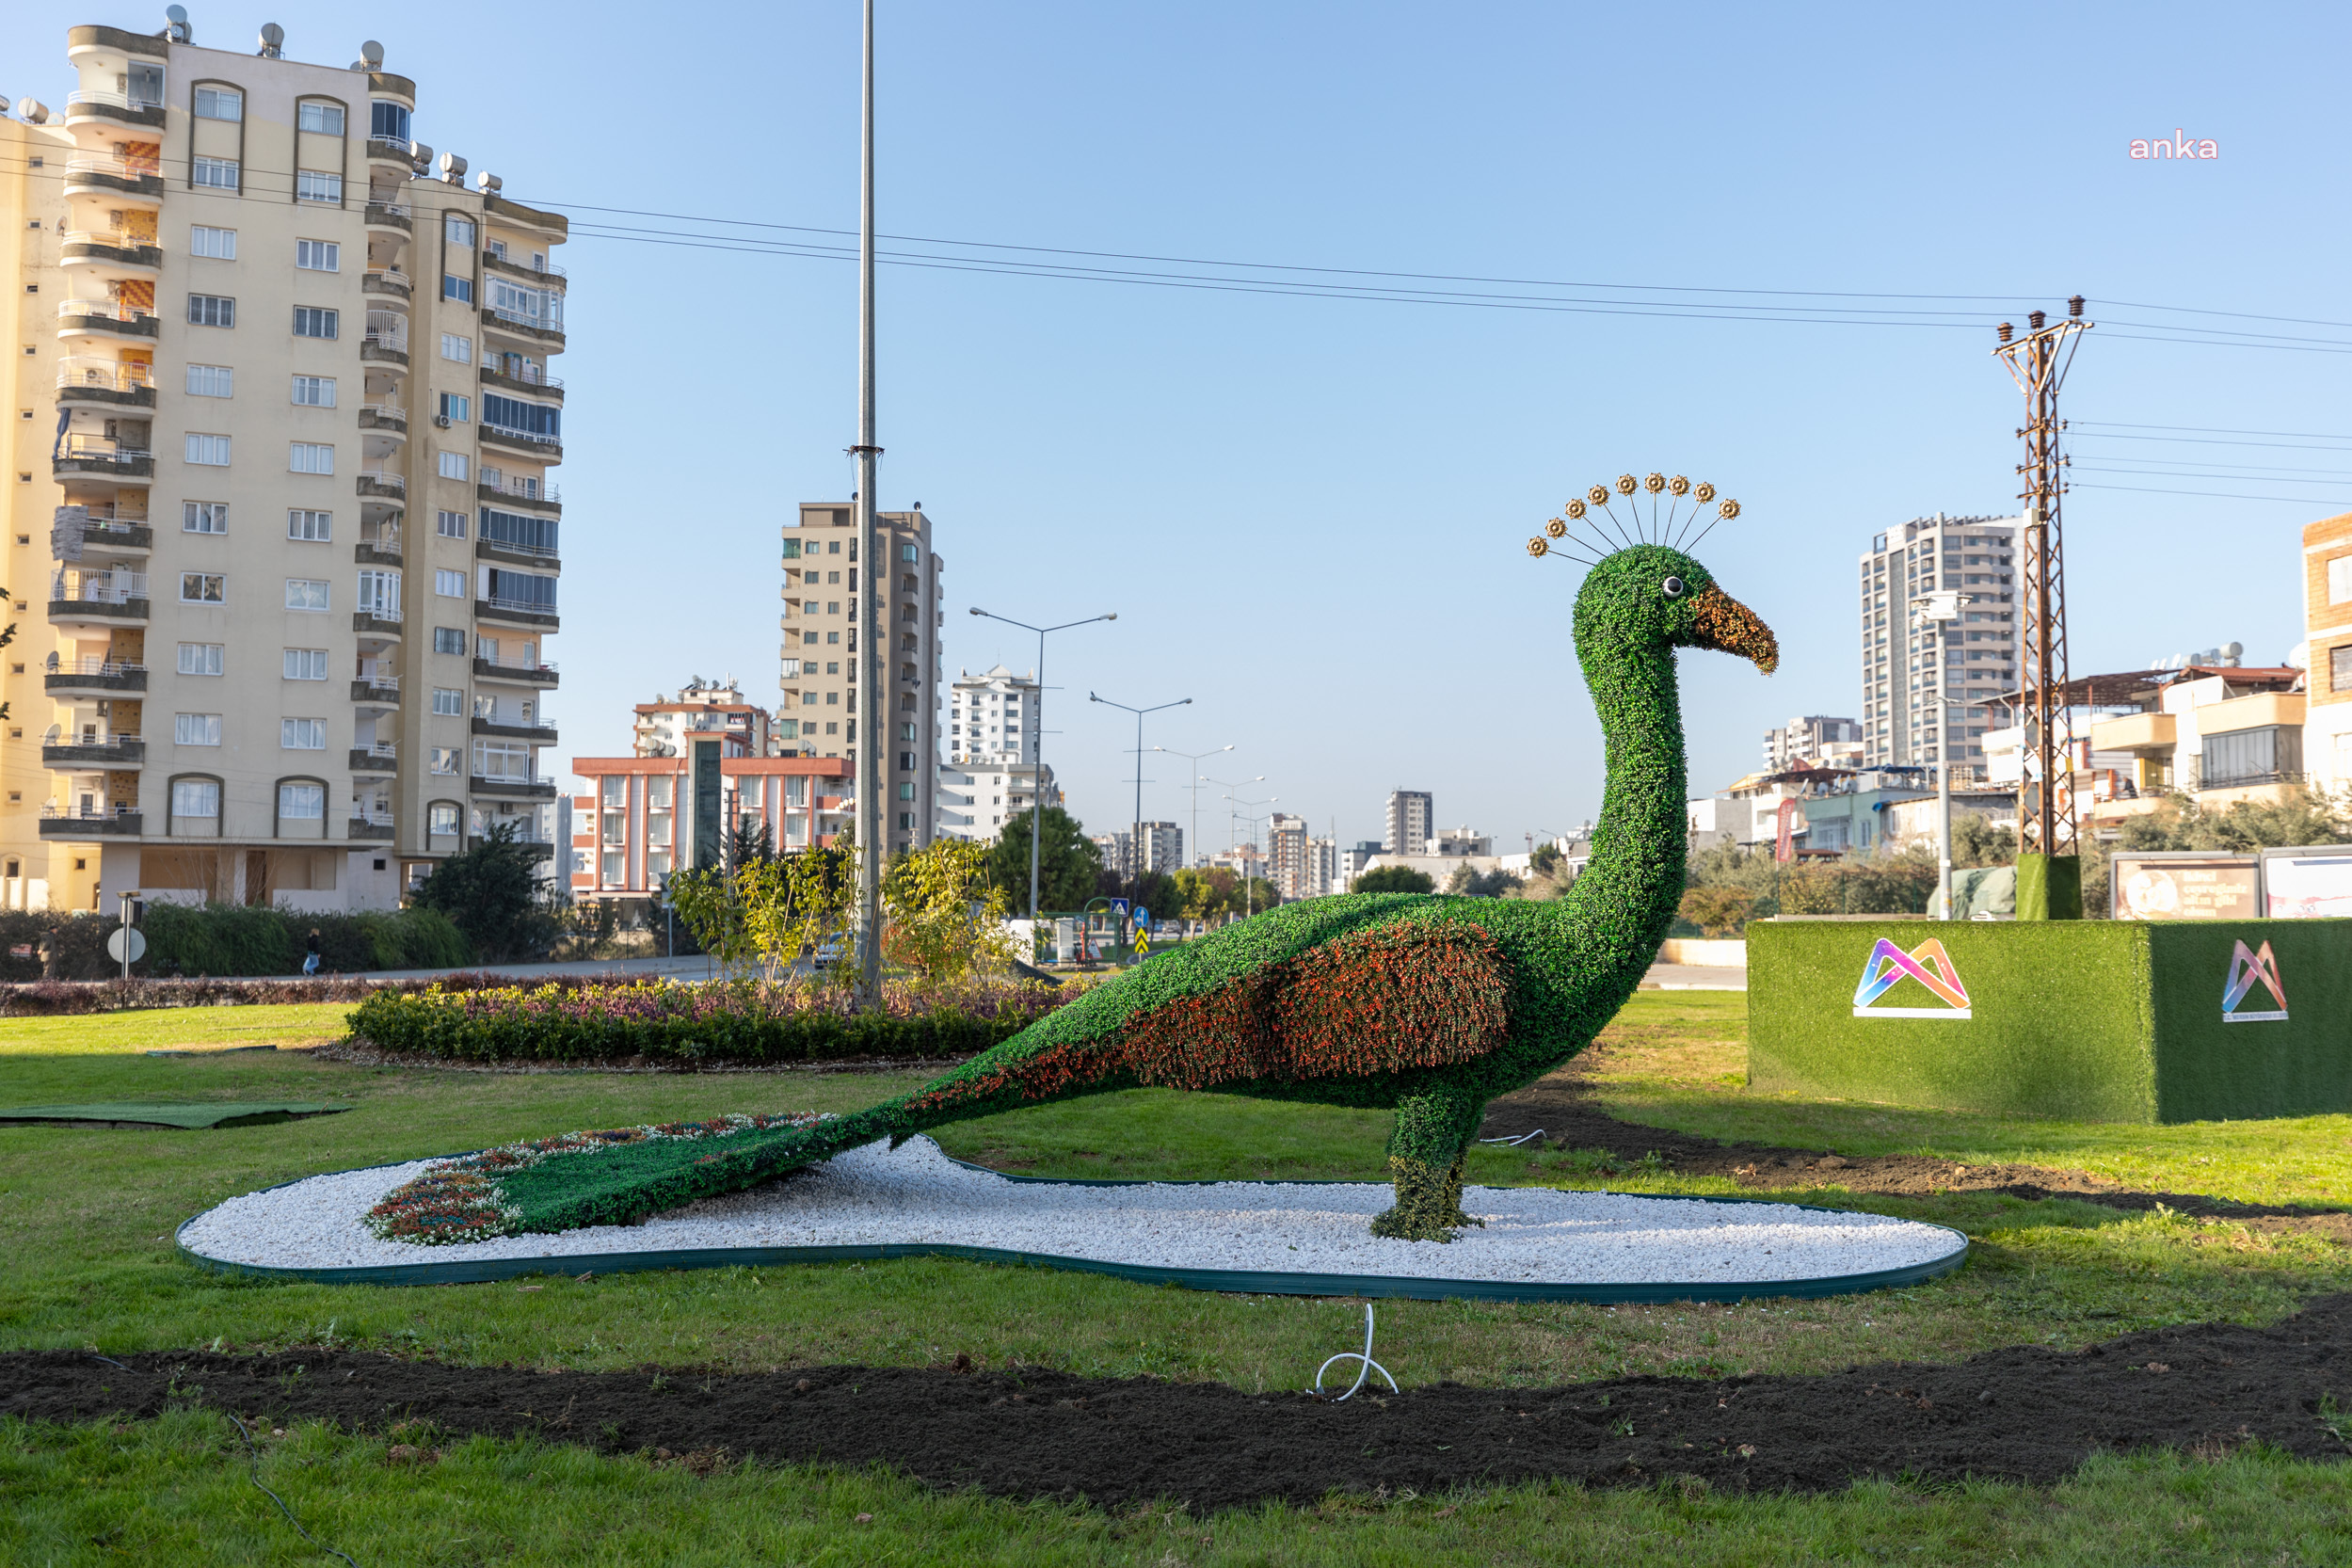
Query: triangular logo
[[2247, 969], [1927, 964]]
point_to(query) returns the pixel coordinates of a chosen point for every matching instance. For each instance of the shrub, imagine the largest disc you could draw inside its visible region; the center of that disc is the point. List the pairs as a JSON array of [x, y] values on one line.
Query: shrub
[[1393, 879], [203, 940], [491, 892]]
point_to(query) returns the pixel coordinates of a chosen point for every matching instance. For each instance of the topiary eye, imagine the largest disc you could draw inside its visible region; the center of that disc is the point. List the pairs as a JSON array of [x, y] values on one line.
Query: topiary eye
[[1673, 588]]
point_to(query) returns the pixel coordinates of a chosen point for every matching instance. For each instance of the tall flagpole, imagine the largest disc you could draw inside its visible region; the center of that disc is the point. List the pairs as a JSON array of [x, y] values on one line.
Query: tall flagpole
[[866, 749]]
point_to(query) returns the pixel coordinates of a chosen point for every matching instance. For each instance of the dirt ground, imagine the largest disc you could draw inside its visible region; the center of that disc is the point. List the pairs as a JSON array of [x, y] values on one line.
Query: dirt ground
[[2020, 1413]]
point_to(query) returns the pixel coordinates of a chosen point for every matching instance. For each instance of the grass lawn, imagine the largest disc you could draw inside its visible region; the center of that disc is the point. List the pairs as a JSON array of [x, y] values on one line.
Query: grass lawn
[[86, 1218]]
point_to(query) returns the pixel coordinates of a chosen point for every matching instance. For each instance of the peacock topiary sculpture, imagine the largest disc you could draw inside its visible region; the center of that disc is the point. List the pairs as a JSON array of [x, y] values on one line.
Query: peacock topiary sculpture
[[1426, 1004]]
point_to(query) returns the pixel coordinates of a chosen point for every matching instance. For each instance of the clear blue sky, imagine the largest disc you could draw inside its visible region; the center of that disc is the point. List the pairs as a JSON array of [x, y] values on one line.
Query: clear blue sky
[[1309, 512]]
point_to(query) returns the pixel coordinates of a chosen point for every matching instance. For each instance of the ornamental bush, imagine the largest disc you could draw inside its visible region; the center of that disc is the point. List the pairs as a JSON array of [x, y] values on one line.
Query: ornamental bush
[[195, 940], [719, 1022]]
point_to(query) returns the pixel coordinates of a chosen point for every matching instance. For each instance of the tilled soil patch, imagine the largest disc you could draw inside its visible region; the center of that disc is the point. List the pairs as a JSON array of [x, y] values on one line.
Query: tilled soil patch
[[2019, 1414], [1563, 1108]]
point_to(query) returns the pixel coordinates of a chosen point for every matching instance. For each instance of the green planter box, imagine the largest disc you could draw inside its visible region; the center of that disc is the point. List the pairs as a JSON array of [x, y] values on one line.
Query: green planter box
[[2076, 1020]]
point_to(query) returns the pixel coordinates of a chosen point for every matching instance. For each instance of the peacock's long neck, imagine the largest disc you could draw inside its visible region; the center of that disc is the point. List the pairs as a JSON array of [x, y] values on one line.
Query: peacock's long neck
[[1623, 905]]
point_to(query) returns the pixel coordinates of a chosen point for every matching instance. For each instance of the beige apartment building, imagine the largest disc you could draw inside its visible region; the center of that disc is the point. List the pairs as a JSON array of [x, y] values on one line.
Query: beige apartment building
[[292, 496], [2327, 747], [1927, 689], [818, 668]]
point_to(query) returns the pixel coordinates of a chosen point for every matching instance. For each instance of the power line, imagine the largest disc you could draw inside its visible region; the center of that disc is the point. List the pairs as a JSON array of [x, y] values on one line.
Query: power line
[[2204, 429], [2220, 495]]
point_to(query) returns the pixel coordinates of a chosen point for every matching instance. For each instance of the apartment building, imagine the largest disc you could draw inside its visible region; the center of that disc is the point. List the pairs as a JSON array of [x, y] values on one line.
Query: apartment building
[[2328, 630], [302, 548], [1352, 862], [993, 718], [1411, 817], [818, 675], [1815, 741], [635, 819], [704, 707], [1925, 686], [975, 801]]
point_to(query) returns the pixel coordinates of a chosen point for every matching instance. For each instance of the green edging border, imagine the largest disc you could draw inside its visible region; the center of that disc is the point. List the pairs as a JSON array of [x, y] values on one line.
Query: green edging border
[[1230, 1281]]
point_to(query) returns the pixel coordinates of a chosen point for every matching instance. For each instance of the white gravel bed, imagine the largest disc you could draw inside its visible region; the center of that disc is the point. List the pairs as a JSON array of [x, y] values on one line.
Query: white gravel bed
[[917, 1196]]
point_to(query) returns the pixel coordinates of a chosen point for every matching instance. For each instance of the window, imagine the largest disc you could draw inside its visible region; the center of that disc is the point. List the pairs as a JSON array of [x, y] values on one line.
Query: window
[[318, 255], [456, 406], [379, 595], [208, 451], [532, 535], [203, 517], [452, 465], [524, 590], [2251, 757], [312, 527], [212, 381], [195, 797], [219, 244], [313, 321], [530, 419], [200, 658], [219, 103], [306, 593], [445, 760], [212, 309], [458, 348], [449, 584], [2339, 668], [213, 173], [203, 587], [449, 639], [442, 819], [306, 663], [449, 703], [196, 730], [325, 118], [315, 392], [318, 185], [503, 760], [538, 308], [2339, 578], [455, 287], [301, 802], [909, 552], [457, 230], [388, 122], [450, 526], [309, 457], [302, 734], [791, 549]]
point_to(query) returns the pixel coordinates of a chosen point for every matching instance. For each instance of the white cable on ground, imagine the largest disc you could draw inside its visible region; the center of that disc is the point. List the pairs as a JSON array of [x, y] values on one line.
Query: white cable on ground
[[1369, 1369], [1513, 1143]]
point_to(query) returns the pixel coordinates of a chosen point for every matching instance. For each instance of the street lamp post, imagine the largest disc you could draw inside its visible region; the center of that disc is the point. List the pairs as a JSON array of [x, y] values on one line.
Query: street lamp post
[[1195, 758], [1037, 768], [1248, 893], [1135, 837], [1940, 611]]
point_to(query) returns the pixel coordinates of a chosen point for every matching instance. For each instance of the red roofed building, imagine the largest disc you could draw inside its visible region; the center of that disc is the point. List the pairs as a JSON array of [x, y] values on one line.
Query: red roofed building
[[633, 819]]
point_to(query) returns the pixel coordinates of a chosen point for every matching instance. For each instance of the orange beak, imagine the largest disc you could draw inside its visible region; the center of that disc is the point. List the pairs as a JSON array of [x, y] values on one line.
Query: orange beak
[[1728, 626]]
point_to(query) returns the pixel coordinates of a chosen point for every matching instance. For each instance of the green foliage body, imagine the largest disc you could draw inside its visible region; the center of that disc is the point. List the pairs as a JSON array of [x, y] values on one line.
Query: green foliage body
[[1394, 879], [235, 939], [1068, 863], [2115, 1021], [1570, 964], [491, 893]]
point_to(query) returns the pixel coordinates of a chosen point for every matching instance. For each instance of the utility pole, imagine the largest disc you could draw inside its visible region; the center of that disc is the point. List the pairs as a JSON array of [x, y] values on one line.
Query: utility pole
[[866, 748], [2049, 862], [1195, 758]]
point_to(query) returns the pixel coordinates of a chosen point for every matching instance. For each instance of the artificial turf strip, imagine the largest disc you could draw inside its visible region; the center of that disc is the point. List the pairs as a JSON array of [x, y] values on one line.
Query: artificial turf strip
[[195, 1117]]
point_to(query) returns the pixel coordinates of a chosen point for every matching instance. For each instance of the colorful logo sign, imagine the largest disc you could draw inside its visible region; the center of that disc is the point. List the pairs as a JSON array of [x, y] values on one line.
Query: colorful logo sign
[[2246, 967], [1927, 964]]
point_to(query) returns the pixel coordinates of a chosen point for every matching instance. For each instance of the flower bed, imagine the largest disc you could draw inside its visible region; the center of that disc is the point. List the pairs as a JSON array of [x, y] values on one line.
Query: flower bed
[[723, 1021], [460, 1199]]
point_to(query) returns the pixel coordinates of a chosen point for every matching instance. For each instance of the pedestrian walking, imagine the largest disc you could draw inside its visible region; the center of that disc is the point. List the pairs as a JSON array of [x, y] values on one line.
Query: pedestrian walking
[[49, 954], [310, 944]]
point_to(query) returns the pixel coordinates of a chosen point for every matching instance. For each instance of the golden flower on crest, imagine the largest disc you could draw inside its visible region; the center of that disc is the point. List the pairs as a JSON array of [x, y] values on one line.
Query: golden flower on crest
[[1654, 483], [1729, 510], [1626, 484], [1679, 484], [1576, 509], [1556, 528], [1537, 547], [1598, 495], [1705, 493]]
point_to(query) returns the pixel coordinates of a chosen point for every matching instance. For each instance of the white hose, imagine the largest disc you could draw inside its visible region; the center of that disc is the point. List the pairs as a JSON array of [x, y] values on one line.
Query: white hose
[[1513, 1143], [1369, 1369]]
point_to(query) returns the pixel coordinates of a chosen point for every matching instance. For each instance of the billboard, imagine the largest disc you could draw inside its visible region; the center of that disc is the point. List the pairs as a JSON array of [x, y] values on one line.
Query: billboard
[[2177, 886], [2308, 884]]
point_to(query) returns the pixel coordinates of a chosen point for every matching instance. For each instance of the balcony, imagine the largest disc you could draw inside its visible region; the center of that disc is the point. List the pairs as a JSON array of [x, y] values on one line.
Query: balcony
[[524, 324], [382, 485], [383, 757], [104, 109], [375, 826], [511, 786], [378, 547], [387, 419], [530, 494], [2135, 732], [387, 282], [103, 534], [517, 552], [537, 734], [388, 215], [516, 612], [120, 822], [95, 174], [520, 671], [392, 150], [532, 380], [380, 620], [103, 318], [547, 274], [89, 676], [532, 849], [109, 383], [379, 691], [110, 251], [109, 598], [545, 448], [102, 457], [113, 751], [385, 344]]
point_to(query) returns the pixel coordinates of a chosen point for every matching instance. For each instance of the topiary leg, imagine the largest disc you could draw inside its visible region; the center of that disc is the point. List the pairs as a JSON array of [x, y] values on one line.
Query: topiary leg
[[1425, 1154]]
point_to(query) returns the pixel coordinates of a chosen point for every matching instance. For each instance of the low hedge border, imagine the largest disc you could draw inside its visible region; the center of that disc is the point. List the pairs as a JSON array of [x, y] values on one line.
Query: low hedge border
[[65, 998]]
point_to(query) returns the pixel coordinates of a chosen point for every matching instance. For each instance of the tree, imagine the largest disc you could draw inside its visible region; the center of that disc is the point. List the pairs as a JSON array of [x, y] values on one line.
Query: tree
[[944, 918], [491, 893], [1068, 863], [1716, 911], [1393, 879], [1544, 856], [1466, 883], [747, 846]]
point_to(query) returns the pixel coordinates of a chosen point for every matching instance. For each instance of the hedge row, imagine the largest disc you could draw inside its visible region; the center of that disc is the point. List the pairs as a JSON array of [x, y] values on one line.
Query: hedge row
[[64, 997], [713, 1022], [232, 939]]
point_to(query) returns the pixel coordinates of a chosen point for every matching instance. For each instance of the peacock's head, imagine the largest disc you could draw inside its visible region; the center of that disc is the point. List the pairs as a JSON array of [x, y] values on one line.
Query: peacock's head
[[1643, 589]]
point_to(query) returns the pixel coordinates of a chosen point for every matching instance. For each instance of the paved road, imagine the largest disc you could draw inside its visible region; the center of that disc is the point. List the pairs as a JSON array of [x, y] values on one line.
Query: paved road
[[1695, 977]]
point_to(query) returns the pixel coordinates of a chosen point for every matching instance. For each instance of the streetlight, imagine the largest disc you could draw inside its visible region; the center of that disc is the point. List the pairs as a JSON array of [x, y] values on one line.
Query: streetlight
[[1037, 771], [1135, 841], [1247, 892], [1940, 611], [1195, 758]]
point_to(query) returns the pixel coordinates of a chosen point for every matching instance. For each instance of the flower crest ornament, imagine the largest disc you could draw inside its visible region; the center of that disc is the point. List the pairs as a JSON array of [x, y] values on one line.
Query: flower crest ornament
[[1664, 522]]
